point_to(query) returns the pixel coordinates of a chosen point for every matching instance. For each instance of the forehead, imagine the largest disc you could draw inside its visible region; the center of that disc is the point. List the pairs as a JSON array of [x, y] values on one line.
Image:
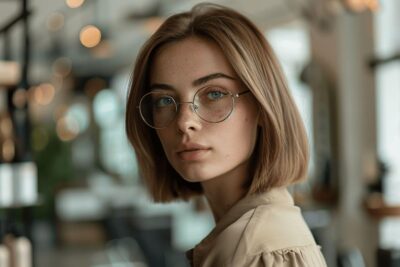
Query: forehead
[[183, 61]]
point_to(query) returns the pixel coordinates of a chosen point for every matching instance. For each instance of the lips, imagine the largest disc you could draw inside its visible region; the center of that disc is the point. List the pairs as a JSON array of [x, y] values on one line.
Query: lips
[[192, 151]]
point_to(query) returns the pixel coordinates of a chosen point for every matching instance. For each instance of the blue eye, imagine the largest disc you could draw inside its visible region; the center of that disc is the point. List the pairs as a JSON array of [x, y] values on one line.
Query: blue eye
[[215, 95], [164, 101]]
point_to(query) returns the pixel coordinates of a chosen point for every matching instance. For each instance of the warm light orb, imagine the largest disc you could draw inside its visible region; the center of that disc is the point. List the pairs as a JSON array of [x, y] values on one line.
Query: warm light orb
[[44, 93], [361, 5], [67, 129], [373, 5], [90, 36], [74, 3], [8, 150], [19, 98], [6, 127]]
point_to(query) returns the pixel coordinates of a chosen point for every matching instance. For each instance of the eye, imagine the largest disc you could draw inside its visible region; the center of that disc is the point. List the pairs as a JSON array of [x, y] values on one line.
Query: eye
[[164, 101], [215, 94]]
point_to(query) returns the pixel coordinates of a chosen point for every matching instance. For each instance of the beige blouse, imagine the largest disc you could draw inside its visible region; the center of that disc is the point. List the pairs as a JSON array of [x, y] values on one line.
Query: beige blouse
[[260, 230]]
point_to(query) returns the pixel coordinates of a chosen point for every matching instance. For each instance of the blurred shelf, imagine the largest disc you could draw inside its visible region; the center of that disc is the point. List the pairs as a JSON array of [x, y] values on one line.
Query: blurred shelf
[[378, 209], [20, 206], [38, 203]]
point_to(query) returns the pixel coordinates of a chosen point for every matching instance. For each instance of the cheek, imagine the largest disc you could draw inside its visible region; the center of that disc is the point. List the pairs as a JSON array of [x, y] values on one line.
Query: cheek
[[238, 138], [227, 156]]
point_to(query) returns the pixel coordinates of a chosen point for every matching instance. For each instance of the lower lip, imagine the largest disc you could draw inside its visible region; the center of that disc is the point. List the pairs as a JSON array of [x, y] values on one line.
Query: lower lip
[[193, 155]]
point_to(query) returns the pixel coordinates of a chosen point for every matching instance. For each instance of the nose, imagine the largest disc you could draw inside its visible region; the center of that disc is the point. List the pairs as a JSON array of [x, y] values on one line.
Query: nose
[[187, 120]]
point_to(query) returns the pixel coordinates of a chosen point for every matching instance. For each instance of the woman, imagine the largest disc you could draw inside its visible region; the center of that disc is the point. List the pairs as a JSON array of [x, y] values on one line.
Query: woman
[[209, 112]]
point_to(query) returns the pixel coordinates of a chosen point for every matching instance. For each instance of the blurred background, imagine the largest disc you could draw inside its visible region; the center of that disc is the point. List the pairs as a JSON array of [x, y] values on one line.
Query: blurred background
[[70, 192]]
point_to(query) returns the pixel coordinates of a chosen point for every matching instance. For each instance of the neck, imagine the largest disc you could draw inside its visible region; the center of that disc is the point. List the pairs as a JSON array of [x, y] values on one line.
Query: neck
[[223, 192]]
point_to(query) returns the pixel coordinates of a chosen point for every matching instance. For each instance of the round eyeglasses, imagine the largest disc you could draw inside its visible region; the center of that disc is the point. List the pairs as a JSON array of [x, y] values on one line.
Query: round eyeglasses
[[211, 104]]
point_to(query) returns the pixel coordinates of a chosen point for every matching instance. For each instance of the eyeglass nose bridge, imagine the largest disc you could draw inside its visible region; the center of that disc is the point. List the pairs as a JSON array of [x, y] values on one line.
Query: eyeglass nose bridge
[[192, 104]]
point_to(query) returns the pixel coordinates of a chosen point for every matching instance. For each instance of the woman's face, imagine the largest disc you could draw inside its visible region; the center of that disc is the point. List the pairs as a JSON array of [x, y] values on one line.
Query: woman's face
[[200, 150]]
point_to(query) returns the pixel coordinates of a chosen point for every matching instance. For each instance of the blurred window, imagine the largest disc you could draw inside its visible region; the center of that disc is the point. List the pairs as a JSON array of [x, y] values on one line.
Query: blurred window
[[387, 40]]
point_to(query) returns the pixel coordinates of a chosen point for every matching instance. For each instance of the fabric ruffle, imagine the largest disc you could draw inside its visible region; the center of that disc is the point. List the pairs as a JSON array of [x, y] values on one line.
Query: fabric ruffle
[[307, 256]]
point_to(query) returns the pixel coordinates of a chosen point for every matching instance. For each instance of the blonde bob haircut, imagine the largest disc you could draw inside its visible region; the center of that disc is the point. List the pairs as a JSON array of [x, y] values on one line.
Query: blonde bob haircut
[[281, 154]]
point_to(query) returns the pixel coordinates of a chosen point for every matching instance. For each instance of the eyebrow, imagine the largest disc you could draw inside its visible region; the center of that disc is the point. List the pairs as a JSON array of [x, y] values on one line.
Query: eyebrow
[[197, 82]]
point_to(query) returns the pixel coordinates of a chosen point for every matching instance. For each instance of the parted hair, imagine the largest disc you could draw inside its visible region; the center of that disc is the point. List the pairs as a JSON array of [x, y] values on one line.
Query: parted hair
[[281, 154]]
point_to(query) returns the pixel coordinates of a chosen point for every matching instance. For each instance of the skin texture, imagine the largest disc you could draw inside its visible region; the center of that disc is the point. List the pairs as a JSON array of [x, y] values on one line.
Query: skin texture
[[225, 165]]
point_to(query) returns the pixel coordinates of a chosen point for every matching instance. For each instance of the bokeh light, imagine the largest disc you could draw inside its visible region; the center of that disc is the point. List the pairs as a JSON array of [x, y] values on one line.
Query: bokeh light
[[19, 98], [6, 126], [44, 93], [74, 3], [67, 129], [8, 150], [90, 36], [78, 113], [106, 108]]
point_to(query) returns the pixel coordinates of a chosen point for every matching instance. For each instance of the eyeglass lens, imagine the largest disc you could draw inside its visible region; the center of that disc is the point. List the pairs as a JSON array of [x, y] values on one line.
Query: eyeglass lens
[[212, 104]]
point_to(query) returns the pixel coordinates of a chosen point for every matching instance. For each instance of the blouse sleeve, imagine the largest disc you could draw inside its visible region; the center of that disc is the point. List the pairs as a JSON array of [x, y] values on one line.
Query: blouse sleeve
[[307, 256]]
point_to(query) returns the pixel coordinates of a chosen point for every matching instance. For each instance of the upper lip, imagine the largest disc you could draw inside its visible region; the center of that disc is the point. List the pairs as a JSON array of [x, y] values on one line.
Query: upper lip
[[190, 147]]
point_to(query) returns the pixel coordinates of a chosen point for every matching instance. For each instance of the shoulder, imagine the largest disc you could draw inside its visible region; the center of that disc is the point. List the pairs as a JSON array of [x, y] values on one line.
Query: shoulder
[[262, 230], [273, 227], [267, 233], [268, 228]]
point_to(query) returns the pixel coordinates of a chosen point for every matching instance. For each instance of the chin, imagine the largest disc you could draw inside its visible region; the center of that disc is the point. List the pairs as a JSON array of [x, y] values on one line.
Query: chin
[[196, 176]]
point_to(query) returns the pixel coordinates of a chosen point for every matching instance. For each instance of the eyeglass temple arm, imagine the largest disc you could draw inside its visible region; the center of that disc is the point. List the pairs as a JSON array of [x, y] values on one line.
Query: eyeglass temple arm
[[242, 93]]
